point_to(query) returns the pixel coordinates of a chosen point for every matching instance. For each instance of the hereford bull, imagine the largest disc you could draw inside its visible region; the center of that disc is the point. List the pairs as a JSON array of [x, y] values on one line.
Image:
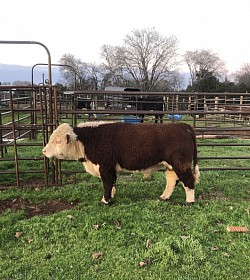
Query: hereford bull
[[107, 148]]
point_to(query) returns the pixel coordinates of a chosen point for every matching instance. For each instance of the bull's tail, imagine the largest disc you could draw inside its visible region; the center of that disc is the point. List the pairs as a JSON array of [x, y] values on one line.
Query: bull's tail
[[196, 170], [196, 174]]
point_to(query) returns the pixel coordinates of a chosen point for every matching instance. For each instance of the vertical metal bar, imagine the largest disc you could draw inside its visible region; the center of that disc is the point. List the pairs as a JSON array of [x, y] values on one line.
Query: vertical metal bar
[[55, 108], [58, 174], [204, 108], [173, 98], [1, 134], [14, 137], [195, 108], [50, 108], [45, 160], [74, 104], [33, 113]]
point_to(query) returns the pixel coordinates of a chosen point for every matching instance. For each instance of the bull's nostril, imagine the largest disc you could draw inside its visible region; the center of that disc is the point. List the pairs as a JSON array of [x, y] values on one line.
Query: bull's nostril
[[44, 151]]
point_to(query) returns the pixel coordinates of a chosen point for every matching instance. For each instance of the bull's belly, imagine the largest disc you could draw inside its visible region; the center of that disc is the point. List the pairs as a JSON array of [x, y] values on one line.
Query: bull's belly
[[93, 169], [147, 171]]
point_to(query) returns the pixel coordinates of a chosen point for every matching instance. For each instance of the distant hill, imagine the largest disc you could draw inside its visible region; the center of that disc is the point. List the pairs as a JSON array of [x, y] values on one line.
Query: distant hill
[[10, 73]]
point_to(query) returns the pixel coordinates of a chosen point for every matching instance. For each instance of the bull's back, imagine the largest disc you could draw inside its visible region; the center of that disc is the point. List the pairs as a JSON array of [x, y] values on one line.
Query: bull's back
[[152, 133]]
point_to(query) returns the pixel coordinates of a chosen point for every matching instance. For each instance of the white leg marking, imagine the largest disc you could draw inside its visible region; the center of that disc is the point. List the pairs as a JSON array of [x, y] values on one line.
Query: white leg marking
[[104, 201], [189, 194], [171, 179], [113, 192], [196, 174]]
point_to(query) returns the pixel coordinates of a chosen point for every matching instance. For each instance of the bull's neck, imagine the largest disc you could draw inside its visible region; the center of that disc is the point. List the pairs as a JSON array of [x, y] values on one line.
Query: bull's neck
[[80, 151]]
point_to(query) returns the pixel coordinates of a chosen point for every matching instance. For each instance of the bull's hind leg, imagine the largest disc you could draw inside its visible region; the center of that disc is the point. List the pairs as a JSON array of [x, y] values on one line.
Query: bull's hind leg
[[113, 191], [171, 179]]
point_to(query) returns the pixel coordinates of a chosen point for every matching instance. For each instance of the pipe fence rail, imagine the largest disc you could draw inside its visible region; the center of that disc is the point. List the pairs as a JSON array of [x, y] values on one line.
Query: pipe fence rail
[[28, 115]]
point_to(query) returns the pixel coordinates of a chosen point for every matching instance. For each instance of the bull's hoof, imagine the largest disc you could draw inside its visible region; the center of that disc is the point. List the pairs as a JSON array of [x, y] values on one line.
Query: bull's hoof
[[188, 203], [106, 202], [163, 199]]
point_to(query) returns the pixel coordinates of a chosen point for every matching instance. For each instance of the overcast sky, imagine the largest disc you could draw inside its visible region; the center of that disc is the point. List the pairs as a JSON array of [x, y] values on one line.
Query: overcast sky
[[82, 27]]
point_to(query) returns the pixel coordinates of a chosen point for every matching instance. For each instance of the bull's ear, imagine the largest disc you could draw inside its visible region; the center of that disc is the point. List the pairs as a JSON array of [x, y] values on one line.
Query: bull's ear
[[67, 138]]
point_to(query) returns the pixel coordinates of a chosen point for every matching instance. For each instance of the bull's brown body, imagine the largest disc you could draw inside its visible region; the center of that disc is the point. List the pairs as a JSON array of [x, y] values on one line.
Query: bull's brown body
[[107, 148]]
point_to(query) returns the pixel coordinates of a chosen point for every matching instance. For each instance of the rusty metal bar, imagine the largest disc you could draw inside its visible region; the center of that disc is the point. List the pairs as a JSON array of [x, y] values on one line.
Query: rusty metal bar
[[223, 157], [14, 138], [44, 137], [2, 147], [224, 168], [58, 174]]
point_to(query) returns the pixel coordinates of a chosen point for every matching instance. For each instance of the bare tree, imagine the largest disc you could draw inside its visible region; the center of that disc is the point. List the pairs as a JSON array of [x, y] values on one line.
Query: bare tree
[[113, 70], [242, 76], [94, 76], [80, 74], [72, 72], [204, 63], [145, 60]]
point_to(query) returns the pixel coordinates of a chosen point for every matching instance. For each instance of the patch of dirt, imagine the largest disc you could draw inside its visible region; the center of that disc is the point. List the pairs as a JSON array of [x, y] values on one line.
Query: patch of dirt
[[212, 195], [33, 209]]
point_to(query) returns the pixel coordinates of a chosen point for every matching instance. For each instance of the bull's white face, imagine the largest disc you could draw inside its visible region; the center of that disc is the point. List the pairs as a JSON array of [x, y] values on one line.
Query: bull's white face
[[63, 144]]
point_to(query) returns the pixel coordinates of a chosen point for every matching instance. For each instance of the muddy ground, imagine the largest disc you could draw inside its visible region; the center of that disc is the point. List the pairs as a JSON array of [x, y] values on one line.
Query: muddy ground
[[33, 209]]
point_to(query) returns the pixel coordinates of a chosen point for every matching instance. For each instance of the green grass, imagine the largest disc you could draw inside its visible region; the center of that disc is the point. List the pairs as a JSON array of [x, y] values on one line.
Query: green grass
[[170, 241], [224, 151]]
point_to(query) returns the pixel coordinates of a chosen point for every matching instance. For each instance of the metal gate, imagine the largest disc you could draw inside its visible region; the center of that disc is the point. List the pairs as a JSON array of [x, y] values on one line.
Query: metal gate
[[27, 116]]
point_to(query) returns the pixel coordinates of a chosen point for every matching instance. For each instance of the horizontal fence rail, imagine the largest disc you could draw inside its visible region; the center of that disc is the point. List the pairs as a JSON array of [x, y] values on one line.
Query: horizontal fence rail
[[28, 115]]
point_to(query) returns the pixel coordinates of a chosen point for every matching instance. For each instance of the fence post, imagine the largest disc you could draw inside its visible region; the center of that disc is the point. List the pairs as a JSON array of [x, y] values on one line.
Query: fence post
[[241, 103]]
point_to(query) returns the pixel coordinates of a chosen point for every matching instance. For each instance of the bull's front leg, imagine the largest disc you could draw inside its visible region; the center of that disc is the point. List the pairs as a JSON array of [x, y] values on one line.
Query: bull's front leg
[[108, 177], [189, 184], [190, 197], [107, 195], [171, 179]]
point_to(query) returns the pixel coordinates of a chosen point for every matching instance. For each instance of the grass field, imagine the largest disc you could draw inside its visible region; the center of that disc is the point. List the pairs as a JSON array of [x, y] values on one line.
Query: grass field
[[138, 237]]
